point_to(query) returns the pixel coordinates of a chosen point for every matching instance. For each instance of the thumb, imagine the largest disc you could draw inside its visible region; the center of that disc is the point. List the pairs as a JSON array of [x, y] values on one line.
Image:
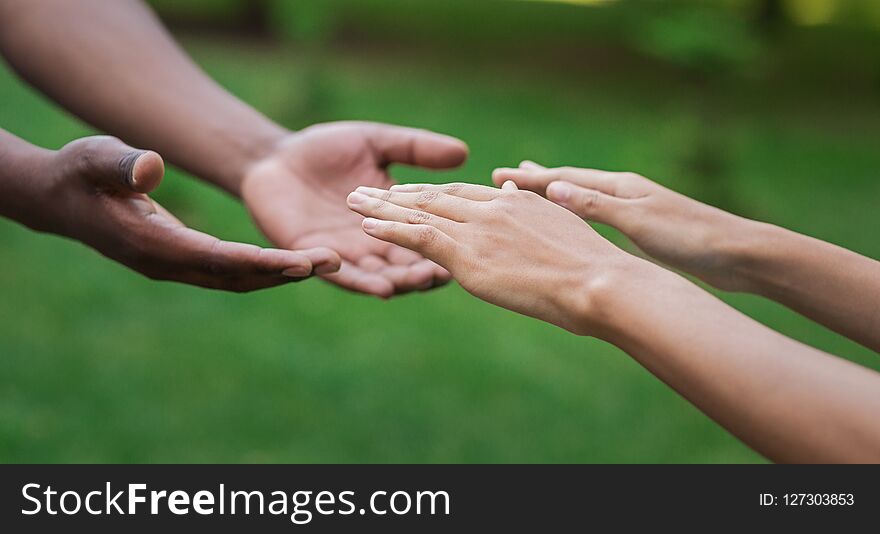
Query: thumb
[[109, 163], [531, 165], [587, 203]]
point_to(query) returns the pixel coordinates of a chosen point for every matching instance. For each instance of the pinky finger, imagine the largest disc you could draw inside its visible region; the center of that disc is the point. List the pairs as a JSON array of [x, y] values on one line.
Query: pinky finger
[[422, 238]]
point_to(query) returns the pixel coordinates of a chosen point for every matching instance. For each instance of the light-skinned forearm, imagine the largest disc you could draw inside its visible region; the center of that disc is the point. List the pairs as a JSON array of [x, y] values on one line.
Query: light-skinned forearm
[[115, 66], [788, 401], [829, 284]]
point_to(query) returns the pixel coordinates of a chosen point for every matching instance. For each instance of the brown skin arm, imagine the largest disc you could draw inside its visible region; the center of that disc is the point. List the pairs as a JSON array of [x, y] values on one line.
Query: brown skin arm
[[790, 402], [94, 190], [115, 66]]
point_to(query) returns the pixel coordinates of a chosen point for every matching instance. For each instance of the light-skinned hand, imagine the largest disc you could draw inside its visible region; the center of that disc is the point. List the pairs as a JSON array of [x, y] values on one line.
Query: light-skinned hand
[[508, 247], [674, 229], [297, 196]]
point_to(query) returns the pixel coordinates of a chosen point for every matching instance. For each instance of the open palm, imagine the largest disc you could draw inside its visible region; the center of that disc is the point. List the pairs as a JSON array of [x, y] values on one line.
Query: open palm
[[297, 197]]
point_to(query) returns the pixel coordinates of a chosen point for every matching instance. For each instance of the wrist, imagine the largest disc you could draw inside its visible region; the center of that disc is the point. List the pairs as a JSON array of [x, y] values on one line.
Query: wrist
[[594, 305], [718, 253], [619, 301], [250, 151], [24, 176], [759, 259]]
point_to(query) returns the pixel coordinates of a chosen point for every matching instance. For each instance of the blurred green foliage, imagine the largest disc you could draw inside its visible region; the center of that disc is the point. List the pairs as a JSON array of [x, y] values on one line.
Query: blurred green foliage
[[100, 365]]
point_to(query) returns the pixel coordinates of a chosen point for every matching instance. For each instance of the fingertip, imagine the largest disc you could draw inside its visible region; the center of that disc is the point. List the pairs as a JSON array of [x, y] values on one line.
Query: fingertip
[[499, 175], [464, 151], [370, 225], [441, 274], [147, 172], [530, 165], [453, 154], [297, 271], [509, 185], [378, 286], [421, 275], [560, 191], [354, 199], [324, 260]]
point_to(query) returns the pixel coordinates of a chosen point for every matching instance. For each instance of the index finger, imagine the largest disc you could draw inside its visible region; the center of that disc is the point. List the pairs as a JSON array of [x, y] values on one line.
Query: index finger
[[537, 179], [462, 190]]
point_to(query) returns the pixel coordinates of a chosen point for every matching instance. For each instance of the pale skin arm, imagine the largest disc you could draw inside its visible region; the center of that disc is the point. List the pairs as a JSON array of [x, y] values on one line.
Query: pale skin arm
[[827, 283], [114, 65], [790, 402]]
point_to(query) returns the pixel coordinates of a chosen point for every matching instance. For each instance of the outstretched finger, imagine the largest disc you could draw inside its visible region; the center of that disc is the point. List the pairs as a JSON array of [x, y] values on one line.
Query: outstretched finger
[[186, 255], [383, 209], [589, 204], [407, 278], [431, 201], [462, 190], [412, 146], [530, 165], [427, 240], [353, 278], [537, 179]]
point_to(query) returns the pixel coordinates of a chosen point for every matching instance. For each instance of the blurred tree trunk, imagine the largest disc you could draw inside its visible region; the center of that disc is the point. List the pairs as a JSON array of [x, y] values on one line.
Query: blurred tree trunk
[[770, 17], [256, 16]]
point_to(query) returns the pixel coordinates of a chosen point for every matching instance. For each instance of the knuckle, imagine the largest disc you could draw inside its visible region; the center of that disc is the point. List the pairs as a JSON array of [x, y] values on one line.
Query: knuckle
[[379, 205], [494, 208], [426, 236], [425, 198], [498, 208], [418, 217], [452, 189], [84, 155], [589, 201], [212, 262]]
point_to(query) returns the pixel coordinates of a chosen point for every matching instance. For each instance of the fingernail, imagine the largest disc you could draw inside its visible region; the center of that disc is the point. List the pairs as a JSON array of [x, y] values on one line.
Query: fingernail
[[356, 198], [296, 272], [325, 268], [559, 191], [126, 165], [370, 224]]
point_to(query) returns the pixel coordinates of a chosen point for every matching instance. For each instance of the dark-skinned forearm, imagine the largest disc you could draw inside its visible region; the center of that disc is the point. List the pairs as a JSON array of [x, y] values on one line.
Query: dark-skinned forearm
[[21, 166], [114, 65]]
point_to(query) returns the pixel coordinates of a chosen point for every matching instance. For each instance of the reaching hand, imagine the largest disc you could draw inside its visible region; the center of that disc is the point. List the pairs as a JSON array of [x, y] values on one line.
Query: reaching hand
[[508, 247], [297, 197], [94, 190], [669, 226]]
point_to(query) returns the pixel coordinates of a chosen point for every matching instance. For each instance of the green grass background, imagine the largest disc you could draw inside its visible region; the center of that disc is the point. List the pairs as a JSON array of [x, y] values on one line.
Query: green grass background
[[100, 365]]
